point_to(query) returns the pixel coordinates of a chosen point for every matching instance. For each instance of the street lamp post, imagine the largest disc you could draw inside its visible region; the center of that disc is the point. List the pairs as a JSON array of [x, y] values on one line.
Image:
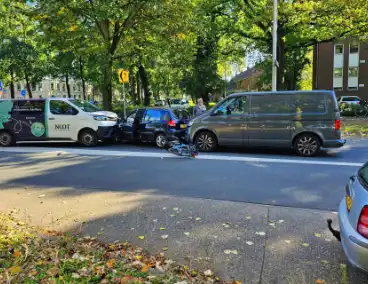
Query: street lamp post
[[274, 48]]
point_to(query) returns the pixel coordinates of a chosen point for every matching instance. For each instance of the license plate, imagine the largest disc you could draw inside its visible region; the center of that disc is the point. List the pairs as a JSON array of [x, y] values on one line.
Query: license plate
[[183, 126], [349, 202]]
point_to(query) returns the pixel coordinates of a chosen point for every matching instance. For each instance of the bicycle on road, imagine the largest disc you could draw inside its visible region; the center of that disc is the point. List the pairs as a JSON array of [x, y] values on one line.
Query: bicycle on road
[[362, 109]]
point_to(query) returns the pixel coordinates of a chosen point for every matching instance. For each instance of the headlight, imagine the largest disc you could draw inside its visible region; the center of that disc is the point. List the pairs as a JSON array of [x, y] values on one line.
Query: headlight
[[104, 118]]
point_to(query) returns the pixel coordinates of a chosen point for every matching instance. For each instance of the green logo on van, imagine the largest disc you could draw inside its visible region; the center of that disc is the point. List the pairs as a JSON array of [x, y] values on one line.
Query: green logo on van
[[5, 109], [38, 129]]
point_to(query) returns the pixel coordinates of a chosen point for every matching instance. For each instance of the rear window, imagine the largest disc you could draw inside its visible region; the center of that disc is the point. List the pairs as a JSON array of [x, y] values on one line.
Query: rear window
[[156, 115], [363, 175], [350, 99]]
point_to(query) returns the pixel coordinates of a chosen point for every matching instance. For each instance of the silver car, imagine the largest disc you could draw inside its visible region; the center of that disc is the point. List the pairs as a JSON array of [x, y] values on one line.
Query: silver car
[[353, 219]]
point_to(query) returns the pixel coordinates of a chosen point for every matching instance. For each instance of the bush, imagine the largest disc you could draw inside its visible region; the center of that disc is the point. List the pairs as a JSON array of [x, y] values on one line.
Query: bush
[[349, 110]]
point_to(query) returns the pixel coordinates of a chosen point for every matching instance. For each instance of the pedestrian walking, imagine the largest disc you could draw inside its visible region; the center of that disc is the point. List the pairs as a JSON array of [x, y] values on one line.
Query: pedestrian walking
[[199, 108]]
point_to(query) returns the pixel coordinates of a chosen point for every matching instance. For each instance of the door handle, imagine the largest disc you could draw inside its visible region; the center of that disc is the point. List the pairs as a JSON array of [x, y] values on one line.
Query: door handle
[[51, 118]]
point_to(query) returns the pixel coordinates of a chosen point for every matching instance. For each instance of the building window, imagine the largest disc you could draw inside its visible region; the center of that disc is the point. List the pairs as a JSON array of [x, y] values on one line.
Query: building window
[[58, 87], [19, 87], [338, 72], [63, 87], [74, 88], [354, 48], [79, 87], [339, 49], [39, 86], [353, 71], [52, 87]]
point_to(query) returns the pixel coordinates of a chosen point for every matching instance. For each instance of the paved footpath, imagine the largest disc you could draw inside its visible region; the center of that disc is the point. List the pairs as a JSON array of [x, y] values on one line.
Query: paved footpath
[[245, 242]]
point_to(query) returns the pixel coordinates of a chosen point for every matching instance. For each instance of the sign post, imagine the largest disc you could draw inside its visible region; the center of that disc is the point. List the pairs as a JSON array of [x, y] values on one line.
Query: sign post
[[123, 78]]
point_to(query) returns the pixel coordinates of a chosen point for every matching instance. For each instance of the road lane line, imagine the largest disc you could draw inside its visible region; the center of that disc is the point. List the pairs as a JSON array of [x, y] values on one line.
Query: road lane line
[[310, 161]]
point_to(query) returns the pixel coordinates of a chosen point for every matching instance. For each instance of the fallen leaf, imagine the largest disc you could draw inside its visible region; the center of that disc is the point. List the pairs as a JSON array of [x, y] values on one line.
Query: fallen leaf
[[162, 228], [42, 195], [343, 266], [317, 235], [324, 261], [287, 241], [305, 245], [164, 249], [33, 272], [319, 281], [164, 208], [236, 282], [75, 275], [16, 253], [227, 251], [164, 237], [197, 219], [15, 269], [226, 225], [187, 233], [208, 273], [328, 240], [110, 263], [139, 257], [53, 271], [20, 223], [234, 252], [155, 220], [141, 237], [272, 225], [260, 233], [249, 243], [172, 215], [145, 268]]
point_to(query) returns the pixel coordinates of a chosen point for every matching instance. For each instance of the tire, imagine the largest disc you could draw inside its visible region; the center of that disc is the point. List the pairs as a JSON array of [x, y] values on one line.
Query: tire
[[160, 140], [88, 138], [206, 141], [6, 139], [307, 145]]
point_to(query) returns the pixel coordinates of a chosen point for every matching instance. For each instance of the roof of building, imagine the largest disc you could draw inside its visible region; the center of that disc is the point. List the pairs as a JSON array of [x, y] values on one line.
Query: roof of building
[[245, 74]]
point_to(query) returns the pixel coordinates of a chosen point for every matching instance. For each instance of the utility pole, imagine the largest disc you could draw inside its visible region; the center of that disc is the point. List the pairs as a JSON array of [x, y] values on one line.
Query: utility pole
[[274, 48]]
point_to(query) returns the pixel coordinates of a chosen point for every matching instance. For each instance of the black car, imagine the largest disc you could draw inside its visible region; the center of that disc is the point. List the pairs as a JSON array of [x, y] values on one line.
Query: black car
[[154, 125]]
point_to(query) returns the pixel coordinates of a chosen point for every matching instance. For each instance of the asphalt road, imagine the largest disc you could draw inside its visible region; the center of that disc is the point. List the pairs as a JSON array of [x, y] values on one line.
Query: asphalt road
[[275, 177]]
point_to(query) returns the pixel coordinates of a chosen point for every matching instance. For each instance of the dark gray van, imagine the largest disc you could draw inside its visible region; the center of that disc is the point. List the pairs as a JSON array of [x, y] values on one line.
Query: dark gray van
[[304, 120]]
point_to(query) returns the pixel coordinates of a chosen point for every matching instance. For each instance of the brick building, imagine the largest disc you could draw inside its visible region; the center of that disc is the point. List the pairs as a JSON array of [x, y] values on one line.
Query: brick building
[[341, 66], [245, 81]]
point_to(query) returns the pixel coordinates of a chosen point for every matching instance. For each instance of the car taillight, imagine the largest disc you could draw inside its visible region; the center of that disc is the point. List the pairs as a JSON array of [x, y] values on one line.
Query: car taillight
[[172, 123], [363, 222], [337, 124]]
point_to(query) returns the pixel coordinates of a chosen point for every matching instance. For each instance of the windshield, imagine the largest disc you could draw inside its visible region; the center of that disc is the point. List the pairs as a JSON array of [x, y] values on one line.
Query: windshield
[[85, 106]]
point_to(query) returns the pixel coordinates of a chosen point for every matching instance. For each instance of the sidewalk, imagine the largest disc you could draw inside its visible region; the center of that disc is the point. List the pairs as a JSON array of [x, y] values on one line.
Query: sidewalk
[[245, 242]]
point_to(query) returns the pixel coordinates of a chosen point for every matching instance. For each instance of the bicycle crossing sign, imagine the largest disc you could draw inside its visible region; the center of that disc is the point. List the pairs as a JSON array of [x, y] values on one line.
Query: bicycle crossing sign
[[123, 76]]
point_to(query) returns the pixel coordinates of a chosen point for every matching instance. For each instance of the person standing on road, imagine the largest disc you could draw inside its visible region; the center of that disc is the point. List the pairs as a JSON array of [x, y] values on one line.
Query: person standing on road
[[199, 108]]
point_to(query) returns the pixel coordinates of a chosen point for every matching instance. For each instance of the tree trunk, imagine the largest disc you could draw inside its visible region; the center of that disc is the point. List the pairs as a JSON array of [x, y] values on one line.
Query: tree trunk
[[132, 89], [67, 85], [29, 89], [12, 89], [82, 77], [145, 84], [139, 97], [107, 85], [281, 61]]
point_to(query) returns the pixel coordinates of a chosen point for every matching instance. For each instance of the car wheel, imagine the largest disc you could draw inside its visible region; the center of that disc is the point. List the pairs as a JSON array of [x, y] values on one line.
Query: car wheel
[[6, 139], [160, 140], [206, 141], [88, 138], [307, 145]]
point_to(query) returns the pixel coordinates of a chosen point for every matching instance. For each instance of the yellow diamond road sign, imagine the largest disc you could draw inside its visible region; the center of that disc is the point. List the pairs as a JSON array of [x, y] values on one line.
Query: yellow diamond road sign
[[123, 76]]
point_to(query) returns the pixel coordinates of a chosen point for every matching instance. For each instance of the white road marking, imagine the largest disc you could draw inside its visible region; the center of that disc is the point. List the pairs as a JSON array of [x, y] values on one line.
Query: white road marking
[[310, 161]]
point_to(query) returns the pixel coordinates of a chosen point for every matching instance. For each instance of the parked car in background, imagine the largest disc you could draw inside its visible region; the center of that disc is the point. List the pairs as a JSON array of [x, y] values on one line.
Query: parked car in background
[[353, 219], [161, 103], [153, 125], [179, 104], [305, 121], [349, 100]]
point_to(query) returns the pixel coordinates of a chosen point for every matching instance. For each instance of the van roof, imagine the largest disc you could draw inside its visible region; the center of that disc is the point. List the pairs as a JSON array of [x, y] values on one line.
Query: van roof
[[280, 92]]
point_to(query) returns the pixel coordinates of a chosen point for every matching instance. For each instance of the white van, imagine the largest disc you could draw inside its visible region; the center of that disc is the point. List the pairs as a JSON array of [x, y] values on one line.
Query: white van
[[54, 119]]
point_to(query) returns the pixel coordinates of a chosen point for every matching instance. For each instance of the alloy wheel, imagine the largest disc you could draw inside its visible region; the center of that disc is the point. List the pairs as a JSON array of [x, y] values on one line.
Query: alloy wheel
[[205, 142], [307, 146]]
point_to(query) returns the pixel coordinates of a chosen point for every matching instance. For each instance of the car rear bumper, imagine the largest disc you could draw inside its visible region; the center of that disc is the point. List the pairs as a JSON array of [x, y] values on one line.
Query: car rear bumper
[[334, 143], [354, 245], [106, 132]]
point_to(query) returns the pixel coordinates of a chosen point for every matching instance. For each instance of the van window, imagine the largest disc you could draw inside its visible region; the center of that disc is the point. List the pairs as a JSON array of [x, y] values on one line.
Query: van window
[[30, 107], [232, 106], [270, 104], [310, 103], [62, 108]]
